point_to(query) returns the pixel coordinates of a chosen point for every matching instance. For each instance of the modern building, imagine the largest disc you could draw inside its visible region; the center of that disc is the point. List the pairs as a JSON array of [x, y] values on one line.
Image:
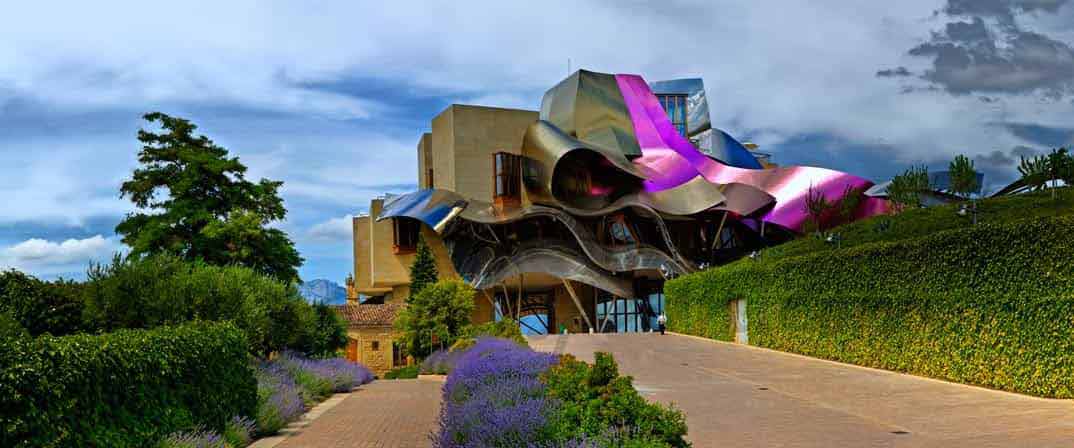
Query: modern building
[[577, 213]]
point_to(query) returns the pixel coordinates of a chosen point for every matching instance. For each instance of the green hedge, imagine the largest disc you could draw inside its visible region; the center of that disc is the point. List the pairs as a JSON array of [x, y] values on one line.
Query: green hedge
[[130, 388], [991, 305]]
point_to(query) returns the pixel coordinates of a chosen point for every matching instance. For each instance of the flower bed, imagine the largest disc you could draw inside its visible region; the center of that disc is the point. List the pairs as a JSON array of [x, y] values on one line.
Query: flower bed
[[501, 394], [287, 386]]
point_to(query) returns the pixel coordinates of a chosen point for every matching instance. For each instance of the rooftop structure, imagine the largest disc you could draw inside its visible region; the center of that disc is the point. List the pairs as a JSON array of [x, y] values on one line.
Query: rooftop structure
[[579, 212]]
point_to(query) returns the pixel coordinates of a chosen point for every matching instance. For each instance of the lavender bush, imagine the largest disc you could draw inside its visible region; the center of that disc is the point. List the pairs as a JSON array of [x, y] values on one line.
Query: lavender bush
[[494, 397], [197, 438], [291, 383], [440, 362]]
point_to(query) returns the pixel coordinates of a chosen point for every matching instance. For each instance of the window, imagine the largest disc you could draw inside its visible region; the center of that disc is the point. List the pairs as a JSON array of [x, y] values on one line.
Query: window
[[375, 346], [675, 106], [507, 177], [429, 178], [406, 232]]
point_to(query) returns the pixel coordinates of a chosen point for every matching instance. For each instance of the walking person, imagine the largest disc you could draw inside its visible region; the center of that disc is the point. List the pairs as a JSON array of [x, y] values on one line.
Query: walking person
[[662, 321]]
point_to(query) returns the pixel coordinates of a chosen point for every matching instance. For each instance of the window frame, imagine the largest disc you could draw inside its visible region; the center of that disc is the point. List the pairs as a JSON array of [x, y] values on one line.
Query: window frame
[[405, 227]]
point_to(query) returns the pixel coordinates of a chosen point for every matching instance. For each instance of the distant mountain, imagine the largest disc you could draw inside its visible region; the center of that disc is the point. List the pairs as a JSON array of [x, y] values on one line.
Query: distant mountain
[[322, 290]]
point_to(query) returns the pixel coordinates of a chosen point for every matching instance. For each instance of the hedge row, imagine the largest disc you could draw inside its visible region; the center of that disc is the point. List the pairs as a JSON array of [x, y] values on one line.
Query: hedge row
[[991, 305], [130, 388]]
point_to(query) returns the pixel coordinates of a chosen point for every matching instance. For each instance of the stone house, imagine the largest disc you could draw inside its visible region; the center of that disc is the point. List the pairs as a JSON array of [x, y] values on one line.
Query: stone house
[[371, 338]]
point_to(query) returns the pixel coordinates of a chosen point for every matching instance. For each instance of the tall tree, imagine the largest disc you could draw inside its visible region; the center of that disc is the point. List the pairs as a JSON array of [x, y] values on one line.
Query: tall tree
[[423, 270], [816, 207], [196, 203], [906, 189], [963, 176]]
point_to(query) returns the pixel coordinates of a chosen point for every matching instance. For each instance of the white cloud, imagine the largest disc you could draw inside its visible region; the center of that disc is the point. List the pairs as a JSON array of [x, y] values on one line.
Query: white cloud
[[335, 229], [43, 257]]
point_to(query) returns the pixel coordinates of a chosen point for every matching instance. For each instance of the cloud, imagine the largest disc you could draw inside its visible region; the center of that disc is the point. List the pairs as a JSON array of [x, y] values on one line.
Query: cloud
[[994, 53], [893, 72], [45, 257], [335, 229]]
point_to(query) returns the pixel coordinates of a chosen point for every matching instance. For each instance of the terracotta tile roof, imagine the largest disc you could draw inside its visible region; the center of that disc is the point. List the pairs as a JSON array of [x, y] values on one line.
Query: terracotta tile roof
[[369, 315]]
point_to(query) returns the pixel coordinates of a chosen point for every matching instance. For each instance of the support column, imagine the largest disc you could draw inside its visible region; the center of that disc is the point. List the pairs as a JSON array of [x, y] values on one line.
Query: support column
[[577, 303]]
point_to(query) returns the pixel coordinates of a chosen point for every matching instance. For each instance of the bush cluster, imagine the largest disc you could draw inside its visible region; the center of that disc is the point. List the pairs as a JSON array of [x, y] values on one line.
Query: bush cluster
[[145, 292], [130, 388], [290, 384], [502, 394], [987, 305], [39, 307]]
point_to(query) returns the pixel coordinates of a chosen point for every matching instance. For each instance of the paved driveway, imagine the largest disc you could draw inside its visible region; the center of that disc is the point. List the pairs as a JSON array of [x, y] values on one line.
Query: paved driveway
[[737, 396], [382, 414]]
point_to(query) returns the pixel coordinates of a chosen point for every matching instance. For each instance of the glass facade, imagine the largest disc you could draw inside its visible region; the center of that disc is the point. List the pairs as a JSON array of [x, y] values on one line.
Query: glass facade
[[619, 315], [675, 106]]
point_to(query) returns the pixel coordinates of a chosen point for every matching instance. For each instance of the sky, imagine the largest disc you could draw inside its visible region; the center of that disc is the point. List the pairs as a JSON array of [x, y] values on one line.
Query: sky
[[331, 97]]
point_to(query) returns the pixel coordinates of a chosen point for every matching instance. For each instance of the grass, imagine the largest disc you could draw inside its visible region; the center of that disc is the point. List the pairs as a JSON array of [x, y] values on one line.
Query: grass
[[926, 221]]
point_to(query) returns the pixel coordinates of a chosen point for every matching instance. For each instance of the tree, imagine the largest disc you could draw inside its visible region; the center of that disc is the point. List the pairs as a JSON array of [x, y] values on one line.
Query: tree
[[327, 334], [423, 270], [905, 189], [816, 207], [40, 307], [849, 202], [963, 176], [199, 206], [1039, 171], [435, 317]]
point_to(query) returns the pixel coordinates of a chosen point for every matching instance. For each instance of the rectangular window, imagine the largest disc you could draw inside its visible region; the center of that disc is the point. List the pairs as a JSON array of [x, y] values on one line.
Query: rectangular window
[[375, 346], [675, 106], [507, 177], [406, 233], [429, 178]]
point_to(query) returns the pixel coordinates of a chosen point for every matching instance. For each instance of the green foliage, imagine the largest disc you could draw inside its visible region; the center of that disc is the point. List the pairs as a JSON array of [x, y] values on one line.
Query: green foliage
[[401, 373], [849, 202], [913, 223], [202, 207], [987, 305], [327, 335], [423, 271], [130, 388], [963, 176], [146, 292], [817, 208], [1038, 171], [40, 307], [905, 189], [435, 317], [593, 399], [505, 328]]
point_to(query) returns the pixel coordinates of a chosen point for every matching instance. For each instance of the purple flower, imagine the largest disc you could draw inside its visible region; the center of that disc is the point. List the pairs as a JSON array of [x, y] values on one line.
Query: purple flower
[[493, 397], [197, 438]]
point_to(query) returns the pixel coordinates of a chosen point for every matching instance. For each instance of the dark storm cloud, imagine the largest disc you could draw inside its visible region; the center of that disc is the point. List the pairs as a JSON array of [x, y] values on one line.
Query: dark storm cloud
[[893, 72], [1047, 136], [996, 158], [992, 53]]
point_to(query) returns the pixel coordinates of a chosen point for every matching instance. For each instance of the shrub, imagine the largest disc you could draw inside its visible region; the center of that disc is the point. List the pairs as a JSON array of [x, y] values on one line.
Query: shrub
[[130, 388], [401, 373], [494, 398], [279, 398], [987, 305], [145, 292], [441, 362], [197, 438], [596, 403], [502, 394], [435, 317], [40, 307], [239, 431]]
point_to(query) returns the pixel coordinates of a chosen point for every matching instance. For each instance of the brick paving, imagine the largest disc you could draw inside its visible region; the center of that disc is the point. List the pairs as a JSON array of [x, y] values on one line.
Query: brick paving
[[382, 414], [739, 396]]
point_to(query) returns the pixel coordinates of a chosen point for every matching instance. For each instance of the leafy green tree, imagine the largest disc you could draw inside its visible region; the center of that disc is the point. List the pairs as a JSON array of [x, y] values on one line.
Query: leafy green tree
[[849, 202], [197, 204], [1034, 171], [816, 206], [435, 317], [327, 334], [906, 189], [963, 176], [423, 270]]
